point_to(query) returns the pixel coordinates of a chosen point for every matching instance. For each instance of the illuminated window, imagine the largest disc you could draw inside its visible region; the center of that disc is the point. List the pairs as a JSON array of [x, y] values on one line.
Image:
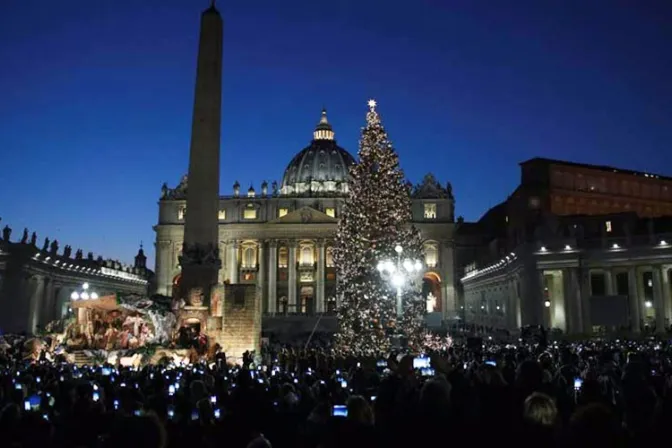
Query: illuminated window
[[330, 211], [282, 212], [222, 215], [431, 255], [307, 255], [507, 219], [250, 212], [430, 211], [607, 226], [283, 256], [249, 257], [181, 212], [330, 257]]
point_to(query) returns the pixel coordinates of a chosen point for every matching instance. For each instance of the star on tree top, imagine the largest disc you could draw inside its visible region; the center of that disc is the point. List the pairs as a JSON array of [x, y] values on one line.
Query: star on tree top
[[372, 104]]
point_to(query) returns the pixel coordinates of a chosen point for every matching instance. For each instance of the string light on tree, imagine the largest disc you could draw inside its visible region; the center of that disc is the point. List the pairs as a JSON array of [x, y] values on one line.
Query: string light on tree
[[375, 219]]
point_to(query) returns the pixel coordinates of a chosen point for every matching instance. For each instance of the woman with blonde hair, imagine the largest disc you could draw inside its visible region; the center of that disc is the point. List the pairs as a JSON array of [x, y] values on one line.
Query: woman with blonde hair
[[540, 420]]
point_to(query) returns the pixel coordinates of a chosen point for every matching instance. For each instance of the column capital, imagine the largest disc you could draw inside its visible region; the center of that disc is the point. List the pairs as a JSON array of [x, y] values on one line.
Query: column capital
[[292, 243], [163, 243], [321, 242], [271, 243]]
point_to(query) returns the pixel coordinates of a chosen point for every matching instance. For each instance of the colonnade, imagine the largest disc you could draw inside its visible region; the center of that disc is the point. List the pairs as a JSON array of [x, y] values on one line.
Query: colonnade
[[560, 298]]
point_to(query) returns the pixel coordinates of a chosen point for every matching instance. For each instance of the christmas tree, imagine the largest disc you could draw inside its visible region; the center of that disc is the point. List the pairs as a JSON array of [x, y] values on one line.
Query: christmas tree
[[375, 219]]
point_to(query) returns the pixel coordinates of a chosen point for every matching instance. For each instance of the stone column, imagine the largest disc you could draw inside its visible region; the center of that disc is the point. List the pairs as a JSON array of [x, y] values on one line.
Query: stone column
[[634, 301], [234, 248], [658, 302], [261, 274], [584, 286], [291, 280], [572, 300], [321, 259], [164, 265], [667, 294], [609, 282], [47, 310], [34, 304], [272, 276]]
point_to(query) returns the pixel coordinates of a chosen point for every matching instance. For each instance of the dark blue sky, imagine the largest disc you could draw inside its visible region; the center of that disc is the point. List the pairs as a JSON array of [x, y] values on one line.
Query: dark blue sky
[[96, 96]]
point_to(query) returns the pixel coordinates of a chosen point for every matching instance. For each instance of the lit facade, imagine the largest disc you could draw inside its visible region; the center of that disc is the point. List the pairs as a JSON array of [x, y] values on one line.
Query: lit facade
[[280, 237], [601, 263], [36, 283]]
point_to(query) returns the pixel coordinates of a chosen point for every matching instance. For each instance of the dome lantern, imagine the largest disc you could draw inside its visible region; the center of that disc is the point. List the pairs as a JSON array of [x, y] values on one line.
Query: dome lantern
[[323, 130], [321, 168]]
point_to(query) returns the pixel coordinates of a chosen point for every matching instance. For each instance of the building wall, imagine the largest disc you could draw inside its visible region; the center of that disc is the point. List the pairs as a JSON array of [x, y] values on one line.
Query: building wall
[[556, 283], [35, 285], [268, 235]]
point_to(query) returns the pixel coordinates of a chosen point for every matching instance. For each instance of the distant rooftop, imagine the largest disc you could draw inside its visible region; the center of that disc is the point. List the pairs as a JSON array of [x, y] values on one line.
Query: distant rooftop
[[609, 169]]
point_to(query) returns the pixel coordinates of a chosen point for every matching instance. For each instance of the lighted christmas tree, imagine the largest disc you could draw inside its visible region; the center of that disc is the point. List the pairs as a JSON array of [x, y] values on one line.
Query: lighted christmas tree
[[374, 220]]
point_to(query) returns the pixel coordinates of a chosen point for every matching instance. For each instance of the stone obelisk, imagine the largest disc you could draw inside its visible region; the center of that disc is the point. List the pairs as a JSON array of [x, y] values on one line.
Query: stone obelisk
[[200, 255]]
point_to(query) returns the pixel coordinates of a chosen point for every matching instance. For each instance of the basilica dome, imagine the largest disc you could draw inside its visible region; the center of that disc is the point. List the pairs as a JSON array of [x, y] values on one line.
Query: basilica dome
[[322, 167]]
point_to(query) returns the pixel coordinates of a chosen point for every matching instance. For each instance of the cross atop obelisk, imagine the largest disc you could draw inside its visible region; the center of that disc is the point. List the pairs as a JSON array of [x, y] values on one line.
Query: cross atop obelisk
[[200, 256]]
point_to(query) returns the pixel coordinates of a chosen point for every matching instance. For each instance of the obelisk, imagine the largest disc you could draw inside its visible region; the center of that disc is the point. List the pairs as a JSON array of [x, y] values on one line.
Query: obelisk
[[200, 260]]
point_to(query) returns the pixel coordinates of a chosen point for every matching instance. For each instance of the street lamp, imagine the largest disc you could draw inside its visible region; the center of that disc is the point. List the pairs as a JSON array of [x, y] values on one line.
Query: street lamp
[[84, 294], [398, 273]]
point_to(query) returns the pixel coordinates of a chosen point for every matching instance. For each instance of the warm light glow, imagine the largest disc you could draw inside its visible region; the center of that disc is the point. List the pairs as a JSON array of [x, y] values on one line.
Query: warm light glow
[[84, 295], [568, 247], [74, 295], [607, 226], [250, 213], [94, 295], [648, 304], [430, 211], [330, 211], [408, 265], [398, 280], [615, 246], [372, 104], [543, 249], [547, 304], [398, 249], [418, 266], [663, 243], [85, 286], [381, 266]]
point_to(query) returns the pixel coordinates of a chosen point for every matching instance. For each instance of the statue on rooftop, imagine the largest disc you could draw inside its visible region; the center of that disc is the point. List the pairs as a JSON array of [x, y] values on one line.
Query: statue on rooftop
[[24, 237], [33, 239], [53, 249], [6, 233], [45, 246], [274, 188], [67, 251], [164, 191]]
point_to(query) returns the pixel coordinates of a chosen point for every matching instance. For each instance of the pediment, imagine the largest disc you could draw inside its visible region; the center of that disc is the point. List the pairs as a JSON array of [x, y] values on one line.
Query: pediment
[[305, 215]]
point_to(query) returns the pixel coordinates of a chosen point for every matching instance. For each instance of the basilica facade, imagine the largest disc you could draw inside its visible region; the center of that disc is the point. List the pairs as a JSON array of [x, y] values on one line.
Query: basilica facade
[[280, 236]]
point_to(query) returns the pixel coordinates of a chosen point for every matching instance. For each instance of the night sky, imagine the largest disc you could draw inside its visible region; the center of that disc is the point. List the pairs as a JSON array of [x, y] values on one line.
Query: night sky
[[96, 97]]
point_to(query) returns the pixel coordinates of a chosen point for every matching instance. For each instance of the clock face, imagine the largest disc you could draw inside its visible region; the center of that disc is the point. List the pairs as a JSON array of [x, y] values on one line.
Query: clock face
[[534, 202]]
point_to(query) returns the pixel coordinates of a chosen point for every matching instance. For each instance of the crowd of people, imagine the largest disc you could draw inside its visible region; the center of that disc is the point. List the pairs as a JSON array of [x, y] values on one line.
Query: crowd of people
[[613, 393]]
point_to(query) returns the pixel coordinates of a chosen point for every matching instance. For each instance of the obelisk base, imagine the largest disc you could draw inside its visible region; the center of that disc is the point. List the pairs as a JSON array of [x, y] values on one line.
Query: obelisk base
[[241, 322]]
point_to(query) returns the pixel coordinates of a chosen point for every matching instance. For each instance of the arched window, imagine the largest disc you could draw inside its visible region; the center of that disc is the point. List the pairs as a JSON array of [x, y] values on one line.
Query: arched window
[[431, 254], [307, 255], [249, 257], [283, 261]]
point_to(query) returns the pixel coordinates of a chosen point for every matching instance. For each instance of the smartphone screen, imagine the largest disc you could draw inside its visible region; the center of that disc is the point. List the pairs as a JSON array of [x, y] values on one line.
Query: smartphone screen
[[578, 382], [340, 411]]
